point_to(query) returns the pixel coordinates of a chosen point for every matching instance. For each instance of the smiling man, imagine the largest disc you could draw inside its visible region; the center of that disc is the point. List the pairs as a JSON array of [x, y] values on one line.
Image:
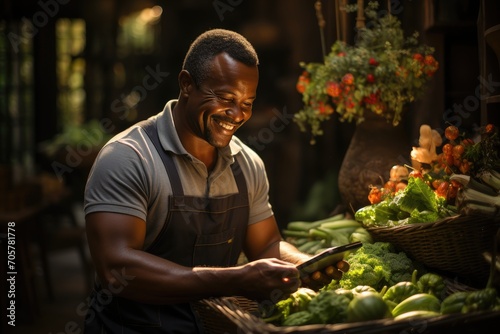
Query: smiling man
[[172, 202]]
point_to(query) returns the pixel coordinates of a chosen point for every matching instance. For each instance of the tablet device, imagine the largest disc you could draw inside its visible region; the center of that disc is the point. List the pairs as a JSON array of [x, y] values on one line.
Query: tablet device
[[326, 258]]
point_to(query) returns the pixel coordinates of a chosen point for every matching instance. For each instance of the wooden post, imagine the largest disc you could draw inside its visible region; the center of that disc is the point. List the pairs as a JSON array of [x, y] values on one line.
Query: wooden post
[[360, 19], [321, 24], [337, 18]]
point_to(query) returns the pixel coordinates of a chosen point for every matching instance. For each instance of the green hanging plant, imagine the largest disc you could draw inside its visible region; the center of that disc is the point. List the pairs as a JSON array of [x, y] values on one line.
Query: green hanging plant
[[381, 73]]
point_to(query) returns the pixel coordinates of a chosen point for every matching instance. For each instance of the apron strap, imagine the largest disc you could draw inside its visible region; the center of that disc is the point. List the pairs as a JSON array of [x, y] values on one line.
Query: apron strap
[[151, 130], [239, 178]]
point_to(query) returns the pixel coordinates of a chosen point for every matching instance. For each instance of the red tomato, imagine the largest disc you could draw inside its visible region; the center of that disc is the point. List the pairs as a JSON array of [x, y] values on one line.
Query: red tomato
[[416, 173], [442, 190], [451, 132], [458, 150], [447, 149], [435, 183], [464, 166], [375, 195], [467, 142]]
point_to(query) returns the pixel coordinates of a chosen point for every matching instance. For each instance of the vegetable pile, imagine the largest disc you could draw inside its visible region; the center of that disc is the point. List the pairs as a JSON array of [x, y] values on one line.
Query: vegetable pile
[[462, 179], [416, 203], [375, 265], [381, 282], [419, 297], [471, 167], [314, 237]]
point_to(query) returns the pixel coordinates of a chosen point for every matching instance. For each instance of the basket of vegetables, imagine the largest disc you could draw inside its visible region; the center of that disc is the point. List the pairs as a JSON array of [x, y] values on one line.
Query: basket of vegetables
[[454, 245], [447, 215], [376, 296], [409, 322]]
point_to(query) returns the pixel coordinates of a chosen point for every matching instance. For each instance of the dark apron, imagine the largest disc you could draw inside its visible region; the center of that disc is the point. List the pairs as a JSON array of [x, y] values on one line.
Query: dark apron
[[198, 231]]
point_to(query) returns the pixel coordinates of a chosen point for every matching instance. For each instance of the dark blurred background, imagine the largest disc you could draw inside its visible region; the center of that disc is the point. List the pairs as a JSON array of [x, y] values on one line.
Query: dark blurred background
[[74, 72]]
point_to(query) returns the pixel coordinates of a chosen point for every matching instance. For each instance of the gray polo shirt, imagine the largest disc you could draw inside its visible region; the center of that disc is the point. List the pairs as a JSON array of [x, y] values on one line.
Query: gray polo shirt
[[128, 176]]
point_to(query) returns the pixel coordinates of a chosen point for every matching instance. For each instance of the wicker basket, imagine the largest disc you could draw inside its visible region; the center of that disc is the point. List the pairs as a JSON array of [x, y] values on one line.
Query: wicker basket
[[454, 245], [215, 320]]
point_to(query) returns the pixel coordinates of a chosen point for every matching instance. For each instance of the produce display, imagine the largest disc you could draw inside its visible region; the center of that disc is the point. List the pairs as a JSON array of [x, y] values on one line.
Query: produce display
[[376, 265], [314, 237], [472, 167], [378, 281], [463, 179], [362, 303], [416, 203], [380, 284]]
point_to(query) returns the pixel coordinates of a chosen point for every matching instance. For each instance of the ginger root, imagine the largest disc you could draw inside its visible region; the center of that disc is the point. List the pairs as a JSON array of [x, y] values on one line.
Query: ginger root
[[428, 141]]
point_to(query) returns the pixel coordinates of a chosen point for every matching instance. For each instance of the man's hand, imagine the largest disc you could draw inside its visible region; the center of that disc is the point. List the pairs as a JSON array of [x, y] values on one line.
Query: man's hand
[[268, 279]]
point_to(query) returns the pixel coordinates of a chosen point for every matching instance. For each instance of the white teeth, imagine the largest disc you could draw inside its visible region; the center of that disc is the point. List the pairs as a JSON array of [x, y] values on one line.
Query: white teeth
[[226, 126]]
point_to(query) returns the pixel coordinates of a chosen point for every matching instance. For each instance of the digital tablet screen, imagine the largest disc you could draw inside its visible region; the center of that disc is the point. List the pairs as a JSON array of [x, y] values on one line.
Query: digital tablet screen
[[326, 258]]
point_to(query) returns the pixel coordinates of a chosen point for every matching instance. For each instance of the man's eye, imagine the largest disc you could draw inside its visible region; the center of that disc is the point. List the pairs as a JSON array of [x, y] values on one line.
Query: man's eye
[[225, 99]]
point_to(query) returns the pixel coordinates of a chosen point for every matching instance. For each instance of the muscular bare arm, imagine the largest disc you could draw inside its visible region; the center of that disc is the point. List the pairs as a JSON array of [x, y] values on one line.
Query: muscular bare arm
[[116, 241], [264, 241]]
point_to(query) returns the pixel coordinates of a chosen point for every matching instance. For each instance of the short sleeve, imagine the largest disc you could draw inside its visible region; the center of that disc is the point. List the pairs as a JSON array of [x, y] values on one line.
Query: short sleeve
[[117, 182]]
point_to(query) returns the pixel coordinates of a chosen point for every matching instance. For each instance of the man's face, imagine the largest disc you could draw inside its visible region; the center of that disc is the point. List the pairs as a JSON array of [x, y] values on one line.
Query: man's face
[[223, 102]]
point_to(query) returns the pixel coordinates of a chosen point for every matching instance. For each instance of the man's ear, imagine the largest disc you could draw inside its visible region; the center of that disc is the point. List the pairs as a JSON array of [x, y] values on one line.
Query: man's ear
[[186, 83]]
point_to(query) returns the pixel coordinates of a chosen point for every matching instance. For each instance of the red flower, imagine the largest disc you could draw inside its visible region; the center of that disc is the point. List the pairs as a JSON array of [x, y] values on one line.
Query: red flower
[[429, 60], [303, 82], [349, 103], [371, 99], [348, 79], [301, 88], [370, 78], [325, 109], [418, 57], [373, 62], [431, 65], [333, 89]]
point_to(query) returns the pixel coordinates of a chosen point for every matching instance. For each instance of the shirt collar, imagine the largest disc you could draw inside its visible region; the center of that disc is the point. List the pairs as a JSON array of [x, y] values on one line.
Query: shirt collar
[[171, 142]]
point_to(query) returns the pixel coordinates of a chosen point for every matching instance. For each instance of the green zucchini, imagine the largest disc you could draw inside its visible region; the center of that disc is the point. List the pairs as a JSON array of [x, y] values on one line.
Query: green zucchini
[[417, 314], [418, 302], [306, 226]]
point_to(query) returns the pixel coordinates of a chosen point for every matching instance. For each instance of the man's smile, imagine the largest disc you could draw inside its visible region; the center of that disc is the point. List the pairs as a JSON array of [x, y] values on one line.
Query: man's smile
[[226, 126]]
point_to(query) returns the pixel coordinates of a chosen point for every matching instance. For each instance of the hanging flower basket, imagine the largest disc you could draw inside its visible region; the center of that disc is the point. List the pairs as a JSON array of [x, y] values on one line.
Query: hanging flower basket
[[381, 73]]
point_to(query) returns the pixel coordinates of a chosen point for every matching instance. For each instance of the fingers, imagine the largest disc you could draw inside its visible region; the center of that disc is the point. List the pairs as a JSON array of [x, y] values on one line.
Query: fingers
[[343, 266], [333, 273], [318, 279]]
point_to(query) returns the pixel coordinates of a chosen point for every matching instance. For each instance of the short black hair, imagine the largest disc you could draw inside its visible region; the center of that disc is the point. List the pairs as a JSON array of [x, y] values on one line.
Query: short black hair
[[210, 44]]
